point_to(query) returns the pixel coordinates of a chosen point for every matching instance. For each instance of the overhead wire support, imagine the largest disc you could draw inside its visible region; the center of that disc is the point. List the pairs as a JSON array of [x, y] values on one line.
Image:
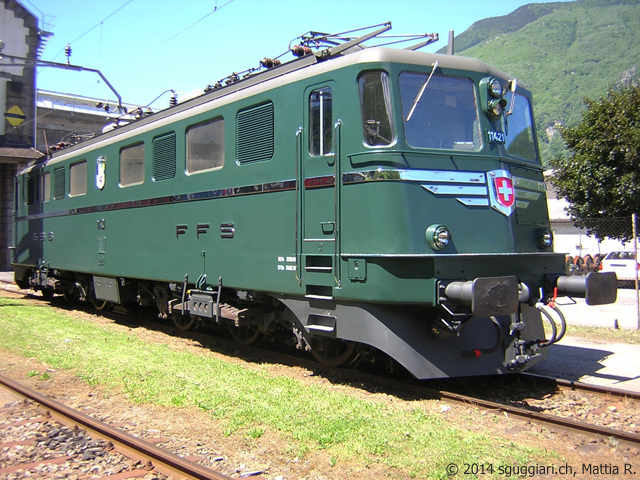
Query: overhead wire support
[[66, 66]]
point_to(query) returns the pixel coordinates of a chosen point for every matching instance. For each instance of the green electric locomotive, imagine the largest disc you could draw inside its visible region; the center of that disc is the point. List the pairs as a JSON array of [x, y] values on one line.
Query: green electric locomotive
[[362, 199]]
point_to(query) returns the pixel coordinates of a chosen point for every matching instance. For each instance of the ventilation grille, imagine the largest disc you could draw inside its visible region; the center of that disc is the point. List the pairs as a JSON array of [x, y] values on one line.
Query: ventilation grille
[[58, 183], [254, 134], [164, 157]]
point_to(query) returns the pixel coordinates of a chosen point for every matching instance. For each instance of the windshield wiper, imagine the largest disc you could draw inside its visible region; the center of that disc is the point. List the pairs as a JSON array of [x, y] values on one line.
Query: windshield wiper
[[513, 87], [419, 96]]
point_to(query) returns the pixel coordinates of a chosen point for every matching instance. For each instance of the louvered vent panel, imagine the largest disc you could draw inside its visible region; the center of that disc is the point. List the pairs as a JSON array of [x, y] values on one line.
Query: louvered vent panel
[[254, 134], [164, 157], [58, 183]]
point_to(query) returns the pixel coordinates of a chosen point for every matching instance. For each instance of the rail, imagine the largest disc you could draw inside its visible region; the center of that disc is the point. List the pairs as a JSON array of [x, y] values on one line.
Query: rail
[[161, 460]]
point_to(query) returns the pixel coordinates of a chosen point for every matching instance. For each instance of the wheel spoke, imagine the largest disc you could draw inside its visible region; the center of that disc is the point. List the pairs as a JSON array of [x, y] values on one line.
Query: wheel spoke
[[183, 322], [332, 352], [99, 305], [244, 334]]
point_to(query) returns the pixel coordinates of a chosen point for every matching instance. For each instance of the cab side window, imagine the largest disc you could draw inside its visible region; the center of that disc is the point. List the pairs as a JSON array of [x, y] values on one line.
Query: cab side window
[[375, 102]]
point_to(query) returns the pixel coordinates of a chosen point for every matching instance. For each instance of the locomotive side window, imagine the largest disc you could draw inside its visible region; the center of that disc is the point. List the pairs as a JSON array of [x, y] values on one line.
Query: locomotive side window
[[519, 132], [78, 179], [320, 122], [59, 183], [45, 187], [31, 192], [38, 188], [205, 146], [132, 165], [255, 134], [375, 102], [444, 112]]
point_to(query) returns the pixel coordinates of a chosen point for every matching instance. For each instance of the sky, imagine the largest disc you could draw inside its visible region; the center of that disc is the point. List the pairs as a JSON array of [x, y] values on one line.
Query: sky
[[146, 47]]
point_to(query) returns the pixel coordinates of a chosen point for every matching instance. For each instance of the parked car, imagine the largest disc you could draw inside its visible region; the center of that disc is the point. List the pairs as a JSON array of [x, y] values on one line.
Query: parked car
[[624, 264]]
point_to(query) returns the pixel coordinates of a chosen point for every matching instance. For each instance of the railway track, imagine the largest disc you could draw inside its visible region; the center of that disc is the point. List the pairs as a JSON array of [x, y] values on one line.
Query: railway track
[[603, 432], [427, 390], [63, 439]]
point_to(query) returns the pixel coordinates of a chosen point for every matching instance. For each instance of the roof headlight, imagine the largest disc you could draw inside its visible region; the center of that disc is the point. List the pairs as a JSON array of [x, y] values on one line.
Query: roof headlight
[[438, 237], [495, 88], [492, 98]]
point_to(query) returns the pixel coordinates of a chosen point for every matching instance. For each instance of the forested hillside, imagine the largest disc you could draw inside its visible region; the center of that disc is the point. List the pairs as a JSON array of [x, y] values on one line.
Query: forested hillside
[[564, 52]]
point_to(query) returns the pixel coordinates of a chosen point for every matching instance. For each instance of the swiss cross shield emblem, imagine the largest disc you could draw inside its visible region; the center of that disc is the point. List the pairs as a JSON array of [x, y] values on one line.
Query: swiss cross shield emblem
[[501, 191], [504, 191]]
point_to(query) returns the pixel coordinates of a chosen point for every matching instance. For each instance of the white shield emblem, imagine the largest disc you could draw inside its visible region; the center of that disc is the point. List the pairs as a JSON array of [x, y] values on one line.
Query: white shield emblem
[[101, 172], [501, 191]]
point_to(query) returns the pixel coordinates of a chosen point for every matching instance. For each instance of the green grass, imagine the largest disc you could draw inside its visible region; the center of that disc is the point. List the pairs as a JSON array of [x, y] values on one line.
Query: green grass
[[404, 439], [610, 335]]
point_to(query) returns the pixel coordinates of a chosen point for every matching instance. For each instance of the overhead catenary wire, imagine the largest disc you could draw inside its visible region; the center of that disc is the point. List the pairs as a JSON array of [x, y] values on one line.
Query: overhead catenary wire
[[127, 65], [92, 28]]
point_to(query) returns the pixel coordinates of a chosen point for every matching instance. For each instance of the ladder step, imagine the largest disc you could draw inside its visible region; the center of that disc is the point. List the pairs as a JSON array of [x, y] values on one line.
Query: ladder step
[[319, 269], [319, 297]]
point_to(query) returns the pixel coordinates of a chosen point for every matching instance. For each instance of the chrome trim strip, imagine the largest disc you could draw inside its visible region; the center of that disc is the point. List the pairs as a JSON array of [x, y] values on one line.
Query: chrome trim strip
[[431, 176], [438, 182], [474, 202], [456, 190], [171, 199]]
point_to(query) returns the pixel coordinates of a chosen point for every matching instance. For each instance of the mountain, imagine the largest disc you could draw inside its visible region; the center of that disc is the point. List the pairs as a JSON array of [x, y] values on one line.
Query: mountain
[[564, 52]]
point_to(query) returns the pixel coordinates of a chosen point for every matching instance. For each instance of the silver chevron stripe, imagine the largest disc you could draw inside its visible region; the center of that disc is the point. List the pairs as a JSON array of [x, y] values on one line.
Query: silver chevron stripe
[[527, 191], [469, 188]]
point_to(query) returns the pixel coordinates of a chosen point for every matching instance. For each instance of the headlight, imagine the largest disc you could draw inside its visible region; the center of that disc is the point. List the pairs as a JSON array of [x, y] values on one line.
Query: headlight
[[495, 88], [496, 108], [492, 97], [438, 237], [545, 238]]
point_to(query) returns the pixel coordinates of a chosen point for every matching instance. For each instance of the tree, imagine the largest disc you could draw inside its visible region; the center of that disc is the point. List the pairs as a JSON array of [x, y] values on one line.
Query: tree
[[601, 176]]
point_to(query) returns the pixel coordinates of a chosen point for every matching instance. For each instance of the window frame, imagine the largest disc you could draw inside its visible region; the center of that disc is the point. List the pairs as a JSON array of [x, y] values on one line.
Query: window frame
[[219, 128], [447, 100], [368, 130], [76, 178], [44, 187], [318, 130], [136, 181]]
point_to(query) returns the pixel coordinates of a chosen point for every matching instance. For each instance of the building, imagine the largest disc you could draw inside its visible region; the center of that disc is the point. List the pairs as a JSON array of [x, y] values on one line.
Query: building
[[67, 118], [578, 242], [20, 36]]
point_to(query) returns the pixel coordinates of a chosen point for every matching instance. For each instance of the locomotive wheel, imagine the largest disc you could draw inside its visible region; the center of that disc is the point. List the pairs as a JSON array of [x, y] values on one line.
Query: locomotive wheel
[[99, 305], [72, 296], [332, 352], [47, 293], [245, 334], [183, 322]]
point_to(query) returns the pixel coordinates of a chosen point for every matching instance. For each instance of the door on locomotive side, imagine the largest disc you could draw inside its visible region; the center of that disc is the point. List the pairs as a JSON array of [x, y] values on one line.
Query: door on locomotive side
[[318, 202]]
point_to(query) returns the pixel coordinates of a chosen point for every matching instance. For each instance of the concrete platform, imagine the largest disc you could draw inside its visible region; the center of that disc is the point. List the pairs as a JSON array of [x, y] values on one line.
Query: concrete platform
[[578, 359]]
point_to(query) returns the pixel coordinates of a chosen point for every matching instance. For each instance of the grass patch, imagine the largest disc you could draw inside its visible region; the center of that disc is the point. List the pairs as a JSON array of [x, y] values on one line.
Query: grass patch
[[610, 335], [250, 403]]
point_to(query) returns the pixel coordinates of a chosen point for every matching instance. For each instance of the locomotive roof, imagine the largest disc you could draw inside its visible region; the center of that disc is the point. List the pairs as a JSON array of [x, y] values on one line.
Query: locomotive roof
[[295, 70]]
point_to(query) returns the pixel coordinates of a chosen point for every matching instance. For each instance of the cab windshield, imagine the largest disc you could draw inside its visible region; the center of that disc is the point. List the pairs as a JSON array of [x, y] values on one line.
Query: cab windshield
[[518, 129], [441, 115]]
